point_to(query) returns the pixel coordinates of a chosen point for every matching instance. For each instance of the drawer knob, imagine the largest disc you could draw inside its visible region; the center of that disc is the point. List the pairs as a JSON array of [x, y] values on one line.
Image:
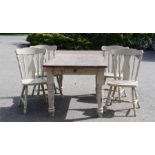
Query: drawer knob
[[74, 70]]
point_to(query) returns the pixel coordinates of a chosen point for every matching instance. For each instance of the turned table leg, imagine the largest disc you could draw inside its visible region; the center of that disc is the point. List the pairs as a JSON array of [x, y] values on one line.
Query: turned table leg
[[100, 81], [50, 86]]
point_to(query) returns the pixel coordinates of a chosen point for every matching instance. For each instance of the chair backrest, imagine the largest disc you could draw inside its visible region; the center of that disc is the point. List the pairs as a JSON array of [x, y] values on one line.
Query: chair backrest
[[126, 62], [108, 56], [50, 51], [30, 62]]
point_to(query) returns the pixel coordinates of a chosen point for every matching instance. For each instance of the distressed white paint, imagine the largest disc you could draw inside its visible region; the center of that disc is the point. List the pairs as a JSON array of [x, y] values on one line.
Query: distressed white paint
[[50, 55], [126, 62], [30, 62], [85, 64]]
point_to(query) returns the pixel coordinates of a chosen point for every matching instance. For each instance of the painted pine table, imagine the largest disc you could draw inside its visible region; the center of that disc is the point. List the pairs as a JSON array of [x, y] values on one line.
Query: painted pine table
[[77, 63]]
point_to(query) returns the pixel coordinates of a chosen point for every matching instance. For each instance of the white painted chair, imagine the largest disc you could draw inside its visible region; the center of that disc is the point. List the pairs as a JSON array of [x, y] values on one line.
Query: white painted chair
[[109, 73], [126, 62], [108, 58], [49, 55], [30, 62]]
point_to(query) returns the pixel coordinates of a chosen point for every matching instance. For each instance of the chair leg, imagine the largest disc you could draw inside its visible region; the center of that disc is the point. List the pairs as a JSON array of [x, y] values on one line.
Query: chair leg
[[25, 101], [38, 92], [119, 94], [96, 86], [108, 99], [114, 91], [55, 89], [137, 98], [23, 89], [134, 102], [34, 88], [59, 81], [42, 86], [125, 95], [61, 88]]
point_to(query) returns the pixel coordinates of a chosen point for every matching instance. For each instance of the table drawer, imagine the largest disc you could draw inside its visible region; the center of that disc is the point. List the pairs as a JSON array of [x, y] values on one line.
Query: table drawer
[[75, 70]]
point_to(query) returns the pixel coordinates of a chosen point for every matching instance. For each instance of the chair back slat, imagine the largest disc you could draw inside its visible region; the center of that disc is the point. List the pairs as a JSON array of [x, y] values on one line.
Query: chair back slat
[[38, 61], [119, 65], [134, 61], [108, 56], [127, 63], [30, 62], [50, 51], [109, 69], [115, 67], [126, 67], [138, 65]]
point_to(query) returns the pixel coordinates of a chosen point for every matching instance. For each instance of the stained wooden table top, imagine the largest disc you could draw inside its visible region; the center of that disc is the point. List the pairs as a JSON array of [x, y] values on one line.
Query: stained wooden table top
[[77, 60]]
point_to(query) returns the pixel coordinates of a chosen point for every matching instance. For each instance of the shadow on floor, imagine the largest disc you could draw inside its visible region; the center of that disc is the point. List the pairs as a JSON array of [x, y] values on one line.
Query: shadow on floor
[[86, 98], [122, 113], [37, 110]]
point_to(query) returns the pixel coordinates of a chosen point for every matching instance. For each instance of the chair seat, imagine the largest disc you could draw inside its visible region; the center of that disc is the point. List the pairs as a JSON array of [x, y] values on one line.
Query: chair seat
[[34, 81], [123, 83], [111, 75]]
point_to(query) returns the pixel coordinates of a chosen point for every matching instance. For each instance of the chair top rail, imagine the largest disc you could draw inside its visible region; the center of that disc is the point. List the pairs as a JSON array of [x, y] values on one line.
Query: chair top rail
[[48, 47], [109, 48], [29, 51], [127, 52]]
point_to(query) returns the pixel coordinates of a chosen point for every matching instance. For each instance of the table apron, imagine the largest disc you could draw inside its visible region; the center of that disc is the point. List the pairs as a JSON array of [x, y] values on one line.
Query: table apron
[[74, 70]]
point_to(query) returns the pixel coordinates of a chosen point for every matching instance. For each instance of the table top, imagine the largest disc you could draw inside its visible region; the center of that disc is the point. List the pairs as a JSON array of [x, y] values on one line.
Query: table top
[[77, 60]]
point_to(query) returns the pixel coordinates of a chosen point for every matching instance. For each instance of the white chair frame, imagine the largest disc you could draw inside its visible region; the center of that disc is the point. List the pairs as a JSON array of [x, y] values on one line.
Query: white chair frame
[[126, 62], [49, 55], [107, 52], [30, 63]]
